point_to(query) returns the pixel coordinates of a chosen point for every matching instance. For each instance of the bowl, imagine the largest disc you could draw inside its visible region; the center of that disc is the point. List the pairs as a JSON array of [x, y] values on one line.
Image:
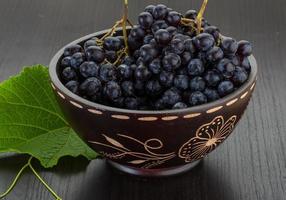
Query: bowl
[[151, 143]]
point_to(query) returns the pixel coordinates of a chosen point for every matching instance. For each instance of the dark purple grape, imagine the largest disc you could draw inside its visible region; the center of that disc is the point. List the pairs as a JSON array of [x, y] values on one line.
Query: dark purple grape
[[112, 90], [214, 54], [89, 43], [171, 62], [69, 74], [133, 43], [111, 56], [153, 88], [124, 71], [225, 67], [159, 24], [196, 67], [214, 31], [72, 49], [225, 88], [229, 45], [197, 98], [155, 66], [149, 9], [160, 11], [162, 37], [90, 86], [142, 73], [186, 57], [76, 60], [245, 64], [128, 88], [145, 20], [197, 84], [244, 48], [66, 61], [128, 60], [147, 39], [180, 105], [171, 97], [72, 86], [191, 14], [211, 94], [89, 69], [107, 72], [131, 103], [148, 53], [173, 18], [177, 46], [112, 43], [239, 76], [189, 46], [204, 41], [95, 54], [181, 82], [212, 78], [166, 78], [172, 30]]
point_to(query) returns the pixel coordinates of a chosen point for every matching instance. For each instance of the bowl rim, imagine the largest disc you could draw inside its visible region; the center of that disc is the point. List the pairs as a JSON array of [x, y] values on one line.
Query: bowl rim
[[58, 84]]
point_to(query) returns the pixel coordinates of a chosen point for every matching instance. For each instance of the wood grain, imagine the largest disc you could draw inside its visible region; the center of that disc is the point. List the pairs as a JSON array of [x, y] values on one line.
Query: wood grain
[[249, 166]]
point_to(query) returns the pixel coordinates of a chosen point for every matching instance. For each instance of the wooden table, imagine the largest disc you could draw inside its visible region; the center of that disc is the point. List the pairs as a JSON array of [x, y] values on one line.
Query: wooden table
[[250, 165]]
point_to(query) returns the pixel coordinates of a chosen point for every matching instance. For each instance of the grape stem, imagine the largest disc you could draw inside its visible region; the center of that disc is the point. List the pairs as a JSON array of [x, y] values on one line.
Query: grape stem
[[124, 20], [200, 16], [28, 165]]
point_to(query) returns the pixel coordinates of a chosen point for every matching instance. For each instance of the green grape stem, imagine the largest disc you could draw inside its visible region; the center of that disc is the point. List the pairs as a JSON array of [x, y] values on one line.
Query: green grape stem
[[200, 16], [28, 165]]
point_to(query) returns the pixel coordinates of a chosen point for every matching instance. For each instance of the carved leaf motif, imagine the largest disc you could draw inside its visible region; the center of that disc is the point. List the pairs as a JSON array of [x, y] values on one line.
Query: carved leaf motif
[[137, 161], [114, 142]]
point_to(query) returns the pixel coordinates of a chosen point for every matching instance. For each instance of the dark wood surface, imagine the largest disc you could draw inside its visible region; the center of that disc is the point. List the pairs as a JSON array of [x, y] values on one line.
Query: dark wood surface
[[250, 165]]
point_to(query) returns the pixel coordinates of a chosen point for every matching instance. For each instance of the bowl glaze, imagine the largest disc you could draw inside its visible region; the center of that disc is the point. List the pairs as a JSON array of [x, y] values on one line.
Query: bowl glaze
[[151, 143]]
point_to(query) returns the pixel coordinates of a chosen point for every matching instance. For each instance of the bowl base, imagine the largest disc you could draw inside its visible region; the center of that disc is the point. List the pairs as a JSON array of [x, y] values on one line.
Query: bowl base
[[154, 172]]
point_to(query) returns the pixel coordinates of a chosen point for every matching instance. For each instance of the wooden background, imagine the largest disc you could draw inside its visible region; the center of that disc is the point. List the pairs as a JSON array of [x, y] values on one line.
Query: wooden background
[[250, 165]]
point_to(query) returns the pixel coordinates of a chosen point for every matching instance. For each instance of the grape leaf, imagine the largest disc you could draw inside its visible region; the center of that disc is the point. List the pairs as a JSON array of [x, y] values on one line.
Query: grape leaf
[[31, 121]]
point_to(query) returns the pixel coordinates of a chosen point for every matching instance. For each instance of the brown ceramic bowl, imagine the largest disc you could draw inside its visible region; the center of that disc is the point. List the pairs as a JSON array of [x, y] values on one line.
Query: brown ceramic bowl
[[151, 142]]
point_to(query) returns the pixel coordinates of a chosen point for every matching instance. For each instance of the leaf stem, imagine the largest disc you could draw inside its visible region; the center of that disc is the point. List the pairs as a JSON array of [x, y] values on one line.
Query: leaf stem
[[200, 16], [14, 181], [42, 181], [124, 24]]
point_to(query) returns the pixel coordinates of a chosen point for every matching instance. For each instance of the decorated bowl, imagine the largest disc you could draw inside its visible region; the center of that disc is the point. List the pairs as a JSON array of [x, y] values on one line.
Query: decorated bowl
[[151, 143]]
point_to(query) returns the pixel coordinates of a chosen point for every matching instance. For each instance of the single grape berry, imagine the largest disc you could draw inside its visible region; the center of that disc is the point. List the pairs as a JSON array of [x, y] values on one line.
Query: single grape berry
[[112, 43], [196, 67], [191, 14], [131, 103], [172, 30], [181, 82], [244, 48], [147, 39], [142, 73], [145, 20], [197, 98], [69, 74], [180, 105], [128, 88], [153, 88], [214, 54], [245, 64], [149, 9], [155, 66], [72, 49], [197, 84], [239, 76], [214, 31], [148, 53], [171, 97], [177, 46], [107, 73], [95, 54], [160, 11], [212, 78], [137, 32], [225, 88], [211, 94], [128, 60], [66, 61], [159, 24], [229, 45], [162, 37], [139, 87], [166, 78], [76, 60], [225, 67], [112, 90], [90, 86], [186, 57], [189, 46], [173, 18], [124, 71], [89, 43], [171, 62], [111, 56], [204, 41], [133, 43], [88, 69], [72, 86]]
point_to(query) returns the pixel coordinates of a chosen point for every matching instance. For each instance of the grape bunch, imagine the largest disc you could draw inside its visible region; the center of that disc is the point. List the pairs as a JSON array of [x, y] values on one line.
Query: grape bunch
[[169, 64]]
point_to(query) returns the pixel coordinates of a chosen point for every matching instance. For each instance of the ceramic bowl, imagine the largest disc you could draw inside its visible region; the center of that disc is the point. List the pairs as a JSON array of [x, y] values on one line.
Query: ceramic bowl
[[151, 143]]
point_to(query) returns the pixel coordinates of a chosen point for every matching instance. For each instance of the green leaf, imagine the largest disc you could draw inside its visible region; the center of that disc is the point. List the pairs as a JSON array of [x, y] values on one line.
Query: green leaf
[[31, 121]]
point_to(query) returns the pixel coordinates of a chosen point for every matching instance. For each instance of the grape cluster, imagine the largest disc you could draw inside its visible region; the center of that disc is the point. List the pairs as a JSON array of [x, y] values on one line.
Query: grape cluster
[[169, 66]]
